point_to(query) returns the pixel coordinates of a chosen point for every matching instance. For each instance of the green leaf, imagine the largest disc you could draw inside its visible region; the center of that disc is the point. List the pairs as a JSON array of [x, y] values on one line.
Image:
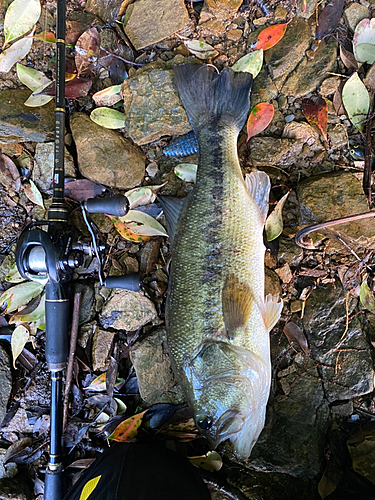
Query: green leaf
[[143, 224], [186, 171], [143, 195], [251, 63], [20, 295], [366, 297], [31, 77], [274, 222], [37, 314], [366, 53], [128, 429], [211, 461], [123, 229], [98, 384], [33, 193], [20, 18], [18, 341], [108, 96], [356, 101], [108, 118], [200, 49], [38, 99], [14, 275], [121, 407], [363, 33], [14, 53]]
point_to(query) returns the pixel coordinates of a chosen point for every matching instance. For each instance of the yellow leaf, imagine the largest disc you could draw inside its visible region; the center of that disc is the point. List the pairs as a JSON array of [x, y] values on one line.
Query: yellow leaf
[[89, 488]]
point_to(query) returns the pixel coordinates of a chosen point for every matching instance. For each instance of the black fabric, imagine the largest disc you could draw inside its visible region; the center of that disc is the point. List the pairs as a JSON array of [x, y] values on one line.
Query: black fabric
[[135, 471]]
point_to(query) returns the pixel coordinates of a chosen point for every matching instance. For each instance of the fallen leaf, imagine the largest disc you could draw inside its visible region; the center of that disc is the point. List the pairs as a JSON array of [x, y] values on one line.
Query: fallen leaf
[[20, 295], [17, 51], [128, 429], [27, 316], [31, 77], [33, 193], [139, 197], [211, 461], [46, 36], [108, 96], [274, 222], [125, 232], [251, 63], [14, 275], [20, 17], [366, 297], [356, 101], [201, 49], [20, 336], [365, 53], [363, 33], [337, 102], [74, 30], [295, 335], [98, 384], [121, 407], [316, 113], [329, 18], [37, 98], [87, 51], [108, 118], [74, 87], [259, 119], [269, 37], [9, 175], [348, 59], [186, 171], [82, 189], [143, 224]]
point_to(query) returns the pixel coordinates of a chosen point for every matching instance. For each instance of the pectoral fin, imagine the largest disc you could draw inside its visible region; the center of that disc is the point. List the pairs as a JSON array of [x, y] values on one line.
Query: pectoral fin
[[271, 311], [258, 186], [237, 299], [172, 208]]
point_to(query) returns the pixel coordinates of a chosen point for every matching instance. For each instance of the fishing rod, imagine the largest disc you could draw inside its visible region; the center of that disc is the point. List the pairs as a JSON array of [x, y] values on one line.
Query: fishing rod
[[47, 253]]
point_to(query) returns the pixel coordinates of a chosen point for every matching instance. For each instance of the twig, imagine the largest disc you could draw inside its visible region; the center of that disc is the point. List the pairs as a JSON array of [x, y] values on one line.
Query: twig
[[72, 349]]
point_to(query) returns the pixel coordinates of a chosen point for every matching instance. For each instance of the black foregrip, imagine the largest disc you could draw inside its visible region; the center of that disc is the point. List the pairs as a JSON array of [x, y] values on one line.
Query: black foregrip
[[130, 282], [116, 205], [57, 323], [54, 486]]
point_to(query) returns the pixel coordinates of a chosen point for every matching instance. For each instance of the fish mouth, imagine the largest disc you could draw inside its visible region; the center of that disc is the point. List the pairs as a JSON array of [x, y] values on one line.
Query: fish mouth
[[228, 425]]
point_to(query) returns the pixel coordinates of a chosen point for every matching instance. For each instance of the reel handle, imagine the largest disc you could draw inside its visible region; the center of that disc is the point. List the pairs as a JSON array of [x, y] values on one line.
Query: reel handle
[[117, 205], [130, 282]]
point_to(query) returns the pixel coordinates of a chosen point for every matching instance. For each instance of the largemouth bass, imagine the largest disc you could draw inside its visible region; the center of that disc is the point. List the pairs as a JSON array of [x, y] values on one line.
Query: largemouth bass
[[217, 318]]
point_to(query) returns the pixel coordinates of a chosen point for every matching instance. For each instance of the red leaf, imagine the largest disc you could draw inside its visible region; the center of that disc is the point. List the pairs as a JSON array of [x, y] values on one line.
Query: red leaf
[[73, 31], [76, 87], [128, 429], [9, 175], [259, 119], [269, 37], [82, 189], [46, 36], [316, 113]]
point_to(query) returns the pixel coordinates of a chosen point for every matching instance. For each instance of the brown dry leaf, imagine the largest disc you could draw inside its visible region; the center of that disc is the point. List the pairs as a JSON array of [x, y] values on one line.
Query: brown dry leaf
[[87, 51], [295, 335], [9, 175], [337, 102], [348, 59]]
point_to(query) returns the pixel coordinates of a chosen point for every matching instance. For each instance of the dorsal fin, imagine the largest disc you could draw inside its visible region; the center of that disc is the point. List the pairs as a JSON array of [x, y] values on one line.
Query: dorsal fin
[[172, 208]]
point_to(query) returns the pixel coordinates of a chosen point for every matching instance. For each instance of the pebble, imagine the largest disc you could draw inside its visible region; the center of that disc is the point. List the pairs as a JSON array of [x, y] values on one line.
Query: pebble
[[354, 13], [289, 118]]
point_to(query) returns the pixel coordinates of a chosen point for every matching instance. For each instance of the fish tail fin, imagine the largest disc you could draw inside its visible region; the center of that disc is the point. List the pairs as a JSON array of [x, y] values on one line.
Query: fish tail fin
[[210, 98]]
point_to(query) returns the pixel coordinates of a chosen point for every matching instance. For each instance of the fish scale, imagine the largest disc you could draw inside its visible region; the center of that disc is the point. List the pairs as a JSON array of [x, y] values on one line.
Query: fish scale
[[184, 145]]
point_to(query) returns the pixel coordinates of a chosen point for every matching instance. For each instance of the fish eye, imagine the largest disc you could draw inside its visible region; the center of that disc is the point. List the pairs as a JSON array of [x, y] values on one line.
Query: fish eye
[[204, 423]]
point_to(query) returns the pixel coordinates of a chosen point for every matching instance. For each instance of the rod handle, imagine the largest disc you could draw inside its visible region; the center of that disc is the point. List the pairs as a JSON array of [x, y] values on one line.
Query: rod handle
[[115, 205], [57, 324], [130, 282], [54, 485]]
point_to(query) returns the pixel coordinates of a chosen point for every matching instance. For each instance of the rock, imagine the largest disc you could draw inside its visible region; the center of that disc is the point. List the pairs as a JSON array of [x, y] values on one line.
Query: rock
[[369, 81], [344, 358], [153, 368], [15, 489], [338, 135], [8, 470], [332, 196], [128, 311], [306, 8], [104, 156], [19, 423], [221, 9], [361, 447], [107, 11], [329, 86], [272, 283], [213, 27], [87, 310], [101, 349], [19, 123], [150, 255], [305, 132], [149, 21], [234, 35], [310, 73], [12, 217], [354, 13], [263, 90], [152, 105], [284, 273], [283, 57], [5, 382], [265, 151], [44, 164], [289, 252]]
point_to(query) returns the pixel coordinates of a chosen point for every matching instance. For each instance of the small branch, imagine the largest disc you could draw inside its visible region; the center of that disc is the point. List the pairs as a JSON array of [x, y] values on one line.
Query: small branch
[[72, 349]]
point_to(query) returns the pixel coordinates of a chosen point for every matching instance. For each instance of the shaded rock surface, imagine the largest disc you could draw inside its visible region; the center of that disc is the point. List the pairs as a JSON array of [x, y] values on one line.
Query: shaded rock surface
[[11, 221], [6, 381], [266, 151], [44, 164], [154, 372], [160, 19], [19, 123], [107, 11], [152, 105], [104, 156], [101, 348]]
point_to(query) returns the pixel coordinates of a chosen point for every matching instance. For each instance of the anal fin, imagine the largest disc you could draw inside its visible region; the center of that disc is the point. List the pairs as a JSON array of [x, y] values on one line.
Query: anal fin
[[271, 310], [237, 300]]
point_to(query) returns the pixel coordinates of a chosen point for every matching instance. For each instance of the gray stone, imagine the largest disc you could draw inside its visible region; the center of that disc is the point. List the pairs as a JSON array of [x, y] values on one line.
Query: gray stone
[[265, 151], [150, 21], [154, 372], [12, 217], [8, 470], [128, 311], [105, 156], [289, 252], [107, 11], [44, 165], [305, 132], [284, 57], [306, 8], [338, 135], [101, 349], [5, 382], [310, 73], [369, 81], [19, 123], [332, 196], [354, 13], [87, 310], [152, 105], [263, 89]]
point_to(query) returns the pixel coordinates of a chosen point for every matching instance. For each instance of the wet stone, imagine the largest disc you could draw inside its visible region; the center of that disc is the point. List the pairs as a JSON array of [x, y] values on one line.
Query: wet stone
[[125, 310], [221, 9], [19, 123], [263, 89], [154, 372], [306, 8], [310, 73], [150, 21], [329, 86], [5, 382], [105, 156], [369, 81], [101, 349], [107, 11], [87, 309], [289, 252], [354, 13], [11, 221], [305, 132], [44, 165], [152, 105], [265, 151]]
